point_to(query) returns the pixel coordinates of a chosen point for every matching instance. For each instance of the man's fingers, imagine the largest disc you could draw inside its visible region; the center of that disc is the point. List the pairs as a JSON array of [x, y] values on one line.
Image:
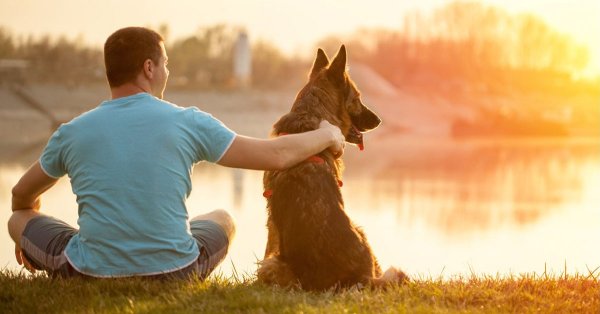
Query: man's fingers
[[18, 256], [26, 263], [21, 260], [336, 149], [28, 266]]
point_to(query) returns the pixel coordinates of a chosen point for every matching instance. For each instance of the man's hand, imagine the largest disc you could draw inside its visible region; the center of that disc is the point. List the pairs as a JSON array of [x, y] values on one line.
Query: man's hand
[[22, 260], [338, 140], [26, 193]]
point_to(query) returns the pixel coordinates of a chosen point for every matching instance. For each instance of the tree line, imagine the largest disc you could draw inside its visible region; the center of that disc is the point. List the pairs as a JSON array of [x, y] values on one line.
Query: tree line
[[462, 43], [469, 43], [202, 60]]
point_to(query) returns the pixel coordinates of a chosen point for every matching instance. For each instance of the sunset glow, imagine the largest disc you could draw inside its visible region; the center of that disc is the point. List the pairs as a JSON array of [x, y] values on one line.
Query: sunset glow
[[470, 136], [292, 26]]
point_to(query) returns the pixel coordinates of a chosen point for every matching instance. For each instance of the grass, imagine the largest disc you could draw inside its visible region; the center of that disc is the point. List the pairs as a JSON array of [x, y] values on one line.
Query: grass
[[20, 293]]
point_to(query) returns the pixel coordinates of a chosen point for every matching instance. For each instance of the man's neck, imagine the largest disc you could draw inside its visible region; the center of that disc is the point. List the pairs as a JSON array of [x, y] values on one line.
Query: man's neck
[[127, 89]]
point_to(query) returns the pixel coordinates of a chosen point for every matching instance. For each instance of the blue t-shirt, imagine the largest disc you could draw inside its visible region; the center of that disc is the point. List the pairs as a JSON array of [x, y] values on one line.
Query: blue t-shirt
[[130, 162]]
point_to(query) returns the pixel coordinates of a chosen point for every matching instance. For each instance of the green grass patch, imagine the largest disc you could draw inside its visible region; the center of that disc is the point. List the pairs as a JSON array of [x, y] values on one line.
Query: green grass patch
[[20, 293]]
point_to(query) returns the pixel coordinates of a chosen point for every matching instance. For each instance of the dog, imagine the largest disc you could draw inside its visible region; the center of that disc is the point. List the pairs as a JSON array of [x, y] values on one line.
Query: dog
[[311, 241]]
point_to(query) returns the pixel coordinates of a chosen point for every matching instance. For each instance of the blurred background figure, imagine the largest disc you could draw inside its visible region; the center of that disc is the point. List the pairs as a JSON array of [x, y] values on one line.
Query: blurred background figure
[[242, 61]]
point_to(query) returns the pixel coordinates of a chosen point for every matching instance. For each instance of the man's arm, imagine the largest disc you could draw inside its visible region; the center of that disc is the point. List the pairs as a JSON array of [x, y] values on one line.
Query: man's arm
[[284, 151], [26, 194], [26, 203]]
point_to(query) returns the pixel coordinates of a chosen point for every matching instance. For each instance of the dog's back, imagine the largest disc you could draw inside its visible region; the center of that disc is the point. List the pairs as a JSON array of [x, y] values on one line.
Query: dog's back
[[311, 239], [316, 238]]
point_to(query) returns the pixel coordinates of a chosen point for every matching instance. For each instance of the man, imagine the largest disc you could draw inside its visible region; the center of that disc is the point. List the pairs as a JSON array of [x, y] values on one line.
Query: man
[[129, 161]]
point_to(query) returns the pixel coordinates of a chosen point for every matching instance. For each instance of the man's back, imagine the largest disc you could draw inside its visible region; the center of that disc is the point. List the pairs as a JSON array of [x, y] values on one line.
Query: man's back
[[130, 161]]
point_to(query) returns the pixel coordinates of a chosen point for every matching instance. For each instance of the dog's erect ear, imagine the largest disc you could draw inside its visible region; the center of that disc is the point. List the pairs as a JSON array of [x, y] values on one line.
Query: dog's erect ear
[[338, 65], [321, 61]]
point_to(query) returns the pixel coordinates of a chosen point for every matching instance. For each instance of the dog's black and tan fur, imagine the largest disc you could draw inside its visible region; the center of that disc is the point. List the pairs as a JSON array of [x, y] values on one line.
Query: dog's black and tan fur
[[311, 240]]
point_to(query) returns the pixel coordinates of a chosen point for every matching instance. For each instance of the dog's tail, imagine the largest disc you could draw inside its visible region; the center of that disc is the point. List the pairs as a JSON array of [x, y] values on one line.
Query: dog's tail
[[274, 271], [390, 277]]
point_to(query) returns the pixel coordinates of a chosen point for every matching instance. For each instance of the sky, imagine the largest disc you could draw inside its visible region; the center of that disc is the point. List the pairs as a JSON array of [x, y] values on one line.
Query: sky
[[293, 26]]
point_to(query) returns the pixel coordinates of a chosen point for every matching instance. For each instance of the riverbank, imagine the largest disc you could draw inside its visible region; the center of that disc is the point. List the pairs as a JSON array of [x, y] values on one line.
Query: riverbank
[[512, 294]]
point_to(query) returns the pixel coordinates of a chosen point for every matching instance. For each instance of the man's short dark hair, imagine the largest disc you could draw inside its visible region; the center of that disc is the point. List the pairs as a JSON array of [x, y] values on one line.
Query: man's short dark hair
[[126, 50]]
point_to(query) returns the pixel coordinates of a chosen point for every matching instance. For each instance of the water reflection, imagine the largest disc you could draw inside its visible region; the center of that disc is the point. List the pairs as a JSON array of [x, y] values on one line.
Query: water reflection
[[475, 188], [486, 208]]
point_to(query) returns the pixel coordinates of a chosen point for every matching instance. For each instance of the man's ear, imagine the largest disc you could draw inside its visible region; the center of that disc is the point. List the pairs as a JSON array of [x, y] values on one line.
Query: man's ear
[[148, 68], [321, 61], [338, 65]]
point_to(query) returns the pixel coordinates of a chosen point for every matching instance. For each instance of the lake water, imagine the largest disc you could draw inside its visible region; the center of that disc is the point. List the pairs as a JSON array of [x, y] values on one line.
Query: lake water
[[483, 208]]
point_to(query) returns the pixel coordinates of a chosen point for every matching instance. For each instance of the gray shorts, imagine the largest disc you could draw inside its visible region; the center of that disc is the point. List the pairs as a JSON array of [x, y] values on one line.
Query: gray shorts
[[45, 238]]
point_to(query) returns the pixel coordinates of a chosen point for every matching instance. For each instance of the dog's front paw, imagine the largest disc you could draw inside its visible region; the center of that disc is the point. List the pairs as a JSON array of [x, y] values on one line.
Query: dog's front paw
[[273, 271], [394, 275]]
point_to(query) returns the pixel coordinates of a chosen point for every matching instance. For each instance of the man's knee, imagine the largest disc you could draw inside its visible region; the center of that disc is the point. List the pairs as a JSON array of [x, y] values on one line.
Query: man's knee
[[221, 217], [18, 221], [226, 221]]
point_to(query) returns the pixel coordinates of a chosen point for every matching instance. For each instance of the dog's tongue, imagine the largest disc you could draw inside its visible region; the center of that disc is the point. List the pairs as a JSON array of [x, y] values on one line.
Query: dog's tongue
[[359, 138]]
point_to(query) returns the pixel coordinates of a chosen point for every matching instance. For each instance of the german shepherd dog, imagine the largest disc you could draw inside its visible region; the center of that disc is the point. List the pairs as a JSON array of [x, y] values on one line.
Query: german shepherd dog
[[311, 240]]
